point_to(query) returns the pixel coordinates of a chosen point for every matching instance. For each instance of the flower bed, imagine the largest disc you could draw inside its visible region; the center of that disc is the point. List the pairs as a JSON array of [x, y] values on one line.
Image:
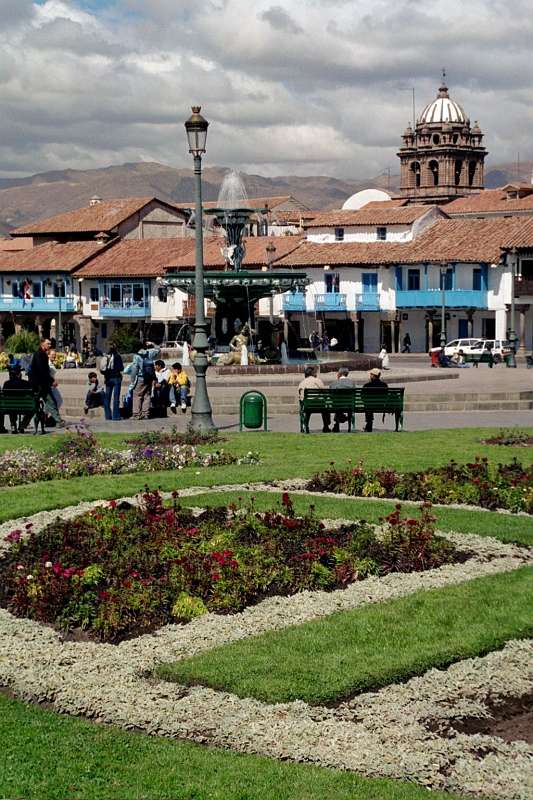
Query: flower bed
[[511, 438], [122, 570], [79, 454], [508, 486]]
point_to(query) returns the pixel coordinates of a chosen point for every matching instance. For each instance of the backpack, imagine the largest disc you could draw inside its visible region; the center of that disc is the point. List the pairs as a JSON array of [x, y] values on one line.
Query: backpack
[[103, 364], [148, 370]]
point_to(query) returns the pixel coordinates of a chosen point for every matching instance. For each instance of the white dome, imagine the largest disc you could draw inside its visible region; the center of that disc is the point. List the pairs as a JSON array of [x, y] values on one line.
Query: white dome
[[442, 109], [360, 199]]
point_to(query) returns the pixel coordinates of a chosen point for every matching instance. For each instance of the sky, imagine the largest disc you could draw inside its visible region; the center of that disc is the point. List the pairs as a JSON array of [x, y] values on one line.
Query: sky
[[290, 87]]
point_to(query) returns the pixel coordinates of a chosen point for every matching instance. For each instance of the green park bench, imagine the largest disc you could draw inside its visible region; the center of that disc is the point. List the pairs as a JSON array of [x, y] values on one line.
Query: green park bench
[[480, 358], [22, 402], [351, 402]]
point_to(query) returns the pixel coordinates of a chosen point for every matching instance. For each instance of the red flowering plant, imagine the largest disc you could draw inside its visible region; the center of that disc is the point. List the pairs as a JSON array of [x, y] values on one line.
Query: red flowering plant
[[477, 482], [123, 569]]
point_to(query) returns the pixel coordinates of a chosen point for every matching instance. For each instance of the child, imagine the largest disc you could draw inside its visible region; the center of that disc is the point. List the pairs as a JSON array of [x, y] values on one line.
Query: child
[[95, 396], [179, 384]]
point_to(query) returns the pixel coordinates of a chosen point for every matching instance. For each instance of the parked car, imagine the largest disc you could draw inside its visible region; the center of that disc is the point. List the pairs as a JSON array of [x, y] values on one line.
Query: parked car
[[453, 347], [499, 347]]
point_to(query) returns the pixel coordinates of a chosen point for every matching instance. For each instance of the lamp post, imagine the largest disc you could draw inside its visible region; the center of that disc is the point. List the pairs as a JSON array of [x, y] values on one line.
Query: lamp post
[[511, 359], [443, 272], [59, 284], [271, 252], [201, 412]]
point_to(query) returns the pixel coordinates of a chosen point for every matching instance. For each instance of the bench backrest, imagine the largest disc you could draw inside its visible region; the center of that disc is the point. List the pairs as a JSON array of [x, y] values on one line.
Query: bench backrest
[[20, 400], [359, 399], [330, 399]]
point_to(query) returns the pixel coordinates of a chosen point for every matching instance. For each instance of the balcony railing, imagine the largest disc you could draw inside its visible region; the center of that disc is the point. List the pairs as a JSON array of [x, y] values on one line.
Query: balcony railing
[[125, 308], [432, 298], [294, 301], [368, 301], [331, 301], [38, 304], [523, 286]]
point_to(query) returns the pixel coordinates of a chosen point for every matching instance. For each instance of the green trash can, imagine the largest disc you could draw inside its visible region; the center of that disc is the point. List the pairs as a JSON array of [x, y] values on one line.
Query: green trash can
[[253, 411], [510, 360]]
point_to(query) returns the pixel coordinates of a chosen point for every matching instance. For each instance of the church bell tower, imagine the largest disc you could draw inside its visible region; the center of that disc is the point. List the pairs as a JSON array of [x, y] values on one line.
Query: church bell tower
[[443, 157]]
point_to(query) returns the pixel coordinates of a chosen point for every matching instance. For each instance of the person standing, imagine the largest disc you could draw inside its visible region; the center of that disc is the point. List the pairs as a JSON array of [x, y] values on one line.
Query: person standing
[[42, 381], [343, 381], [112, 368], [374, 383], [311, 381], [142, 373]]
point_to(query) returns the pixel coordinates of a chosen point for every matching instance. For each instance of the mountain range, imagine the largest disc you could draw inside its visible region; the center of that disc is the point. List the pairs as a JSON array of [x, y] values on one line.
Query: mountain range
[[24, 200]]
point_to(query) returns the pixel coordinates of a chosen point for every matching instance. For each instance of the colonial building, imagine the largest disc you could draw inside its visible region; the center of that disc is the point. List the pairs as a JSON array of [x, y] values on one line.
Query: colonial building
[[443, 157]]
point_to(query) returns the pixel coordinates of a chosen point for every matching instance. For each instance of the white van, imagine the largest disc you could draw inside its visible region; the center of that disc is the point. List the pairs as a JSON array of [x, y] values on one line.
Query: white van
[[455, 345]]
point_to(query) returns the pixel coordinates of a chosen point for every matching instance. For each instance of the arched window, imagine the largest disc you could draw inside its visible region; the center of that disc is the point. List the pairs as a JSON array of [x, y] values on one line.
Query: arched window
[[436, 139], [434, 170], [415, 169], [471, 172], [458, 171]]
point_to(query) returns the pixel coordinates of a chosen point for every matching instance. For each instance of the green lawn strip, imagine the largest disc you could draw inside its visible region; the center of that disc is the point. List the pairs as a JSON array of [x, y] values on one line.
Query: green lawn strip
[[49, 757], [308, 454], [505, 527], [353, 651]]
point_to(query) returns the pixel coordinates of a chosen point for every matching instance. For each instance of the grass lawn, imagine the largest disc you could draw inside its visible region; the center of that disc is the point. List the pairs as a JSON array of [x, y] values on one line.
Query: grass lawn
[[506, 527], [49, 757], [308, 454], [352, 651]]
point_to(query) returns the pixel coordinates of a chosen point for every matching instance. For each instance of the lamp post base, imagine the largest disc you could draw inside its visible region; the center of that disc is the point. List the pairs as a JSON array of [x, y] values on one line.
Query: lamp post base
[[201, 411]]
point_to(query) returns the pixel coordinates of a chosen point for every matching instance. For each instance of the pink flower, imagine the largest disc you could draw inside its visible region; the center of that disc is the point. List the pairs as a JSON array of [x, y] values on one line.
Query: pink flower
[[14, 536]]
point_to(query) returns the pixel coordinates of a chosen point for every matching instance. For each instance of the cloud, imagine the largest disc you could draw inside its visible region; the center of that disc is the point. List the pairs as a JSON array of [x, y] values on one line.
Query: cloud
[[277, 17], [298, 87]]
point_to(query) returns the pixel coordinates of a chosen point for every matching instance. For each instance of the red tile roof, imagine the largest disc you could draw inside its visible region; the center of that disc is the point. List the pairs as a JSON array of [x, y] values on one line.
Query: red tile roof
[[489, 201], [391, 215], [103, 216], [50, 257], [251, 202], [462, 240], [137, 258], [11, 245], [393, 203], [256, 255]]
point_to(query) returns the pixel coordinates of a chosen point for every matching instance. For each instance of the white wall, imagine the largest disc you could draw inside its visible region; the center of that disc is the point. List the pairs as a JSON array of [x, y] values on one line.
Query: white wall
[[360, 233]]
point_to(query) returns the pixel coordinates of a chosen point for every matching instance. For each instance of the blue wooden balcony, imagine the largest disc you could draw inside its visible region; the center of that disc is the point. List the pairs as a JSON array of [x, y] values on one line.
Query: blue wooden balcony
[[368, 301], [331, 301], [38, 305], [133, 309], [432, 298], [294, 301]]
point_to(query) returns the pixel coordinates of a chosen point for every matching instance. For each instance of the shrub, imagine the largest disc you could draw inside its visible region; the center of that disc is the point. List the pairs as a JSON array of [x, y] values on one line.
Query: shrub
[[23, 342], [122, 570], [126, 338]]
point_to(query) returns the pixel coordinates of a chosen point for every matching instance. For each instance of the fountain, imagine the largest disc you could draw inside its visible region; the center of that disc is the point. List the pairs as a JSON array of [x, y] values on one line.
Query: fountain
[[235, 291]]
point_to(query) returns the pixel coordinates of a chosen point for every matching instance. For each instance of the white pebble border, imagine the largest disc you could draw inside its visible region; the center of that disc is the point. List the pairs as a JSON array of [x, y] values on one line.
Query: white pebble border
[[378, 734]]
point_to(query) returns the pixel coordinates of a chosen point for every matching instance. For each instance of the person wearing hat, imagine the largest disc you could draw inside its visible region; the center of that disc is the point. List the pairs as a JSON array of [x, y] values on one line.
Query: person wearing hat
[[15, 381], [375, 382]]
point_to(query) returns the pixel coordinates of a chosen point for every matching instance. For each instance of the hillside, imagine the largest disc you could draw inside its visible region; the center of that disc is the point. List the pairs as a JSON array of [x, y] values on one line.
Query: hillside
[[24, 200]]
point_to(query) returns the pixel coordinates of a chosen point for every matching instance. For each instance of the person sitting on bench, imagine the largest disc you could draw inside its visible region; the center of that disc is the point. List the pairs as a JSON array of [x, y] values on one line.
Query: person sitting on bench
[[443, 359], [342, 382], [311, 381], [375, 382], [15, 381]]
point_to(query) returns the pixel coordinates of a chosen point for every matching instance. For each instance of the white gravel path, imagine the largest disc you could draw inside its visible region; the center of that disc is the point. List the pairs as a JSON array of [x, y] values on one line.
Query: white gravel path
[[377, 734]]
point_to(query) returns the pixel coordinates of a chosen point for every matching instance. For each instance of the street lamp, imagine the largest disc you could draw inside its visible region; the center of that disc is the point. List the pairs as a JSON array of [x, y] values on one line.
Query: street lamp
[[443, 272], [201, 412], [511, 359], [59, 284], [271, 252]]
